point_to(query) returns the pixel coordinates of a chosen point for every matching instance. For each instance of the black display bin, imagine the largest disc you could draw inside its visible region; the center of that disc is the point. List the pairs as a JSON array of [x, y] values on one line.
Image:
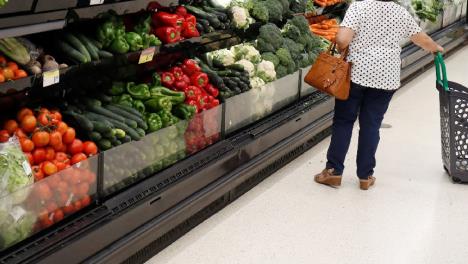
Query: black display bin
[[17, 6], [50, 5]]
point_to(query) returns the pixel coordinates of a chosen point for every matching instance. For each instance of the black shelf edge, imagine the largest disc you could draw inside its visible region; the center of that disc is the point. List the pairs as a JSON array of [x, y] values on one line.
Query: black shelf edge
[[31, 23]]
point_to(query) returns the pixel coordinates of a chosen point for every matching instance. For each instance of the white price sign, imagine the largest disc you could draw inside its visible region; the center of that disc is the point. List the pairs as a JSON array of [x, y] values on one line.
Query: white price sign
[[96, 2], [50, 77], [147, 55]]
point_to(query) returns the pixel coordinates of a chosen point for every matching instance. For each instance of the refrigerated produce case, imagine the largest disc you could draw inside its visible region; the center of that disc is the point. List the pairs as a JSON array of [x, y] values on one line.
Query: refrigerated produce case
[[145, 194]]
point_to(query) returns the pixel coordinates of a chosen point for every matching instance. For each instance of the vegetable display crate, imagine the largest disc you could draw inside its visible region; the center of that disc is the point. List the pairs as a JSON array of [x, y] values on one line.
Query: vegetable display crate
[[454, 123], [431, 27], [37, 206], [49, 5], [136, 160], [15, 6], [246, 108], [306, 89], [452, 14]]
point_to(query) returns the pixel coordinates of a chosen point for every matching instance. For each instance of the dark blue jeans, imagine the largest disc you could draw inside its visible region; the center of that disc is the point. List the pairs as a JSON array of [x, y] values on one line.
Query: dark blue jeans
[[370, 105]]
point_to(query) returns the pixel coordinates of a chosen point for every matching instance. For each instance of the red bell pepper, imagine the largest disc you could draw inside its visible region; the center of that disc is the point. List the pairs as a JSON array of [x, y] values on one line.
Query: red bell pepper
[[167, 34], [199, 79], [167, 79], [212, 90], [180, 85], [194, 103], [181, 11], [204, 102], [190, 67], [186, 79], [153, 6], [191, 19], [214, 103], [193, 93], [167, 19], [189, 30], [178, 73]]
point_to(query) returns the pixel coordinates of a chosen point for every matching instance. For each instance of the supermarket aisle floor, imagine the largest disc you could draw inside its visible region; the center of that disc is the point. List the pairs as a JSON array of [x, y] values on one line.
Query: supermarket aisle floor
[[414, 215]]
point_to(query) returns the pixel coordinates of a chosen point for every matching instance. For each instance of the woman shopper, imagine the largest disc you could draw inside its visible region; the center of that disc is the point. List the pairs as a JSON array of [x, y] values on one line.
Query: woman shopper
[[373, 31]]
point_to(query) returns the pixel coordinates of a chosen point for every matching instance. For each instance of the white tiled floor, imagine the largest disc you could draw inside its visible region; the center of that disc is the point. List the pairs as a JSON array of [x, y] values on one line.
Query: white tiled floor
[[414, 215]]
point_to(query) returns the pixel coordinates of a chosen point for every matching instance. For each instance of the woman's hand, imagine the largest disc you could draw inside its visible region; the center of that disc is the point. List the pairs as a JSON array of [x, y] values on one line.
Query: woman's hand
[[425, 42], [344, 37]]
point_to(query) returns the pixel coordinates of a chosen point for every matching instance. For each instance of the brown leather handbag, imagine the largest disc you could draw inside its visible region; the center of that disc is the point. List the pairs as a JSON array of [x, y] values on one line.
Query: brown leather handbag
[[331, 74]]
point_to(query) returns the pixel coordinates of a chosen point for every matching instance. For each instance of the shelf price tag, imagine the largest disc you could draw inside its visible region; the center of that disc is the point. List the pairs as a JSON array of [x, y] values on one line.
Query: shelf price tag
[[50, 77], [147, 55], [96, 2]]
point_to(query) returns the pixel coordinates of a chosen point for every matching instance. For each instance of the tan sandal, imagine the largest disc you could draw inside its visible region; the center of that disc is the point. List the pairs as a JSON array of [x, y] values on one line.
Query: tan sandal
[[327, 177], [366, 184]]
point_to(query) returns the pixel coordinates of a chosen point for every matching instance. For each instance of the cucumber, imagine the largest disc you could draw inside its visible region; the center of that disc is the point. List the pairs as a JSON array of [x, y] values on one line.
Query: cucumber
[[115, 142], [130, 110], [96, 43], [95, 136], [77, 44], [71, 52], [236, 67], [140, 122], [104, 98], [98, 118], [110, 134], [140, 131], [213, 19], [105, 54], [128, 130], [91, 101], [126, 139], [93, 50], [105, 112], [84, 122], [104, 144], [119, 133], [101, 127]]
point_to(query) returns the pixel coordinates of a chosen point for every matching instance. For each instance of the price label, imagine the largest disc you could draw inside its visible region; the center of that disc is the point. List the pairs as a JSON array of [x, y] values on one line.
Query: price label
[[50, 78], [96, 2], [147, 55]]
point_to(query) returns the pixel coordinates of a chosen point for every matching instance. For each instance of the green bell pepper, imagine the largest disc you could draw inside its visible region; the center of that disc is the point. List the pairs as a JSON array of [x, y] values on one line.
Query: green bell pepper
[[150, 40], [139, 91], [156, 79], [184, 111], [134, 41], [139, 106], [106, 33], [117, 88], [144, 25], [166, 118], [124, 99], [154, 122], [119, 45], [172, 132], [174, 96], [158, 103]]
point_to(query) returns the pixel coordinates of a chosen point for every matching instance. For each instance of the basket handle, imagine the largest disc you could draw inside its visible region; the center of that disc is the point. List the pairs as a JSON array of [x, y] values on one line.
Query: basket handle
[[439, 64]]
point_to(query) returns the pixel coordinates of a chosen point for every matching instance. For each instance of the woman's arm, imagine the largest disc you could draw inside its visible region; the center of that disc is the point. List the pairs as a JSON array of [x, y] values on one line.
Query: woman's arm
[[425, 42], [344, 37]]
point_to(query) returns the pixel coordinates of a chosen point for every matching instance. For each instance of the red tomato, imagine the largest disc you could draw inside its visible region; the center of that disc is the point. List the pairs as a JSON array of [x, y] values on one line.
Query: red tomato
[[78, 205], [28, 123], [10, 126], [30, 158], [69, 209], [58, 148], [46, 222], [75, 147], [55, 139], [74, 178], [38, 174], [47, 119], [41, 138], [22, 113], [49, 168], [60, 165], [62, 199], [62, 157], [42, 191], [53, 181], [20, 133], [56, 115], [86, 200], [39, 155], [89, 177], [50, 154], [12, 65], [69, 136], [62, 187], [51, 207], [78, 158], [62, 127], [83, 189], [26, 145], [4, 136], [90, 148], [58, 215]]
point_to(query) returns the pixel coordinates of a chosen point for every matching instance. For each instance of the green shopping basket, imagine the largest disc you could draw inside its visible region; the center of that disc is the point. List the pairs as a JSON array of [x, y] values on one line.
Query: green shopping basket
[[453, 99]]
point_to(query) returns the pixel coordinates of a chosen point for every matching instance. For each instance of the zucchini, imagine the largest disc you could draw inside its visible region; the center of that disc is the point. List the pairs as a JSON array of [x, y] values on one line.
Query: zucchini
[[105, 54], [236, 67], [128, 130], [126, 114], [205, 24], [95, 136], [92, 50], [83, 122], [214, 21], [77, 44], [105, 112], [222, 16], [104, 144], [104, 98], [91, 101], [129, 109], [101, 127], [96, 43], [71, 52]]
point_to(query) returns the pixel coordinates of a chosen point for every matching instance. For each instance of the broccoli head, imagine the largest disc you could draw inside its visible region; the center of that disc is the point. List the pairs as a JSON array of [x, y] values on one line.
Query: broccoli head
[[270, 35], [281, 71], [297, 6], [301, 23], [296, 49], [312, 57], [304, 61], [292, 67], [310, 41], [259, 11], [285, 4], [275, 10], [270, 56], [284, 57], [291, 31]]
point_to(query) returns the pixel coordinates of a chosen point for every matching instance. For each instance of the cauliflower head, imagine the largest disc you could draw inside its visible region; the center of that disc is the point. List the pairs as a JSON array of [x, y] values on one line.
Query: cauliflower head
[[257, 83], [248, 66], [240, 17], [266, 71]]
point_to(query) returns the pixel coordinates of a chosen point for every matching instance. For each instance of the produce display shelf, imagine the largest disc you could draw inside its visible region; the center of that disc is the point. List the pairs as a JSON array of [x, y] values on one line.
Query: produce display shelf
[[24, 23]]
